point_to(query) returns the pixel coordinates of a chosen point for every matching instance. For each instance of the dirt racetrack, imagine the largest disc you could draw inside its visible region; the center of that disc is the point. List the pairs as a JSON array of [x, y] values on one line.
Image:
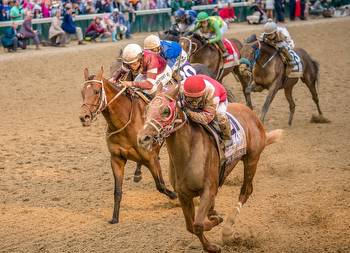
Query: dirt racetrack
[[56, 185]]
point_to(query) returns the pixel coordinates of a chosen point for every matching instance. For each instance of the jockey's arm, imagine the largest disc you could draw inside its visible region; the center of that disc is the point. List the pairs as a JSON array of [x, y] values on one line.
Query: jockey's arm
[[207, 114], [148, 83], [196, 27], [218, 35]]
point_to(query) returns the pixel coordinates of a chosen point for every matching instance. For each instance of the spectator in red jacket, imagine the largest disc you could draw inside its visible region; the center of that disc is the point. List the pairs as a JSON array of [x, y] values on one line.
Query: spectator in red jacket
[[228, 13], [95, 29]]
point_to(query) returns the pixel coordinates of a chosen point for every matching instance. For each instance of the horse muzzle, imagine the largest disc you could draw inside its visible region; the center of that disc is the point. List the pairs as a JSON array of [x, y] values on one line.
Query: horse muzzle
[[145, 141], [85, 119]]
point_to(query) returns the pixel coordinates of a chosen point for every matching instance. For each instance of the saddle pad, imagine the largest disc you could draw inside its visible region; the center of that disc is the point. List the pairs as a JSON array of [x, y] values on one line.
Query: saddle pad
[[297, 71], [233, 58], [237, 147]]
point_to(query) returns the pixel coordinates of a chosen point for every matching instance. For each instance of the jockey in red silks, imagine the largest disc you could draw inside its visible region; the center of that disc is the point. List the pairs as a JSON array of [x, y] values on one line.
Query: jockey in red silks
[[150, 69], [205, 101]]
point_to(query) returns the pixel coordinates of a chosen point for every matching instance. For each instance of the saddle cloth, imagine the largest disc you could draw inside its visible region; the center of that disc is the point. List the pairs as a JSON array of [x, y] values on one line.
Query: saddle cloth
[[229, 150], [233, 58], [297, 70]]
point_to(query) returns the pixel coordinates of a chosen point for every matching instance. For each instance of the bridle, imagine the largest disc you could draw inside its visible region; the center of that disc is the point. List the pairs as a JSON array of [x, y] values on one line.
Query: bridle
[[169, 125], [194, 44], [103, 104]]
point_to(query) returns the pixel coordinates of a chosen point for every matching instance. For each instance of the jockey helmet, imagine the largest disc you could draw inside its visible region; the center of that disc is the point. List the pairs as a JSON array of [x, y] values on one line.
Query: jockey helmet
[[180, 13], [270, 27], [194, 87], [151, 42], [202, 16], [131, 53]]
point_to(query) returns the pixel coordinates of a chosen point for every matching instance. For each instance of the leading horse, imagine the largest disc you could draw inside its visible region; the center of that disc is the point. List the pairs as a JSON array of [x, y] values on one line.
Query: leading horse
[[194, 160], [262, 64], [123, 111]]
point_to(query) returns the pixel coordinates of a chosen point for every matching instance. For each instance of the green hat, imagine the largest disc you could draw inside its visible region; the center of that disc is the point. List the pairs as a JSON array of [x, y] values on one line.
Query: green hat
[[202, 16]]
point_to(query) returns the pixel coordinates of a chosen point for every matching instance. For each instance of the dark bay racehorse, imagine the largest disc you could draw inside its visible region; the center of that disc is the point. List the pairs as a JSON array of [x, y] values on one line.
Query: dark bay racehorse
[[123, 110], [200, 51], [262, 64], [194, 160]]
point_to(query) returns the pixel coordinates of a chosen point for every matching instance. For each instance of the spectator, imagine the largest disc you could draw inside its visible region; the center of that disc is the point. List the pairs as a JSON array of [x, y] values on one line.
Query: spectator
[[121, 24], [37, 11], [45, 9], [27, 30], [16, 10], [107, 6], [109, 27], [89, 7], [2, 11], [175, 5], [187, 5], [269, 8], [95, 29], [10, 40], [57, 36], [279, 7], [228, 13], [292, 5], [302, 9], [69, 27], [215, 11]]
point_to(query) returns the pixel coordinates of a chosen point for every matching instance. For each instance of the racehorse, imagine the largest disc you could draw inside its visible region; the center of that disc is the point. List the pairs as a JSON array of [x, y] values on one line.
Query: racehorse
[[262, 64], [194, 160], [200, 51], [123, 111]]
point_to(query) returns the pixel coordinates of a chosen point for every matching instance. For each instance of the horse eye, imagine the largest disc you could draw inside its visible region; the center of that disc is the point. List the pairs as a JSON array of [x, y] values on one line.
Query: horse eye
[[96, 92], [166, 112]]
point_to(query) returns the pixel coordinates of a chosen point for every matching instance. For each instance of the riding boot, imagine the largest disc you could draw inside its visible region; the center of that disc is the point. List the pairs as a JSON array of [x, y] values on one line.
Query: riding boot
[[223, 49], [225, 126]]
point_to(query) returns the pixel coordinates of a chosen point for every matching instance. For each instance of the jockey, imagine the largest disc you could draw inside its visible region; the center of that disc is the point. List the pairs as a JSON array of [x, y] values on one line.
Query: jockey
[[150, 68], [279, 38], [171, 51], [215, 27], [205, 101], [185, 20]]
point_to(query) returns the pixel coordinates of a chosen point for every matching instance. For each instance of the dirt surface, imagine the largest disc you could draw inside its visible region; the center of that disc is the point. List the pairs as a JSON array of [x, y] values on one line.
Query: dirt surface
[[56, 186]]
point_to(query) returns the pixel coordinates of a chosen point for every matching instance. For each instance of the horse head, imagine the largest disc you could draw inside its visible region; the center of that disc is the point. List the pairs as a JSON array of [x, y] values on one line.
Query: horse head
[[249, 52], [192, 43], [94, 97], [161, 118]]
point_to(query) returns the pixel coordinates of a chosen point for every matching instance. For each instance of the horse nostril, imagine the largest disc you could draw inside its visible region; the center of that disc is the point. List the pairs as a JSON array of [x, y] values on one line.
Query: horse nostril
[[82, 119]]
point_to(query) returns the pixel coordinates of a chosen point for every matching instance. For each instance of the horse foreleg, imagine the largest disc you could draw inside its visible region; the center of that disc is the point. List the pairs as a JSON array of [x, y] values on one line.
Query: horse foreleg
[[270, 96], [206, 204], [138, 173], [244, 84], [288, 93], [117, 164], [188, 211], [155, 169]]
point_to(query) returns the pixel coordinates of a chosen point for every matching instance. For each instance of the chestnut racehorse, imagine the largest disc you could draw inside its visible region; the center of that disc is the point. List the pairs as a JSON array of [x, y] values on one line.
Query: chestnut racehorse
[[194, 160], [123, 111]]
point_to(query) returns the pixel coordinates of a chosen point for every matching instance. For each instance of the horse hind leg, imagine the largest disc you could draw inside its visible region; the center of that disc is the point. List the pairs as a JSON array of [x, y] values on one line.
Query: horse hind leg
[[250, 164], [138, 173], [288, 93]]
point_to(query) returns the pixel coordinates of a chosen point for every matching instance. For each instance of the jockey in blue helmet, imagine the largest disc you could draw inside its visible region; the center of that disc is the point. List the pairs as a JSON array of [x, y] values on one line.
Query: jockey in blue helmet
[[185, 20], [171, 51]]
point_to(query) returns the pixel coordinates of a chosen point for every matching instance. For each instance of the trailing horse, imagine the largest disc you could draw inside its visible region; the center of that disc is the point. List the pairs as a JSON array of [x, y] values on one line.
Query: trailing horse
[[262, 64], [194, 160], [123, 111], [200, 51]]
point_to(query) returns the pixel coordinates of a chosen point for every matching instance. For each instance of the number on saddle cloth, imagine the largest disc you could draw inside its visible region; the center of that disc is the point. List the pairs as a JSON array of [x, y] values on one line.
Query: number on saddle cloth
[[186, 71]]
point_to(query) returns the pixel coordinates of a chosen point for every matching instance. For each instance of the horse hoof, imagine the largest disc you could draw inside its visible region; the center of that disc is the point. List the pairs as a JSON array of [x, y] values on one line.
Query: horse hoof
[[113, 221], [319, 119], [137, 178], [216, 218], [172, 195], [226, 234], [212, 248]]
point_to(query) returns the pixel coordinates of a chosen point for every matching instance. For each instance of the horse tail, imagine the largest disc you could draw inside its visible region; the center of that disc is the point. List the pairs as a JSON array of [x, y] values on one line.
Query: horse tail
[[273, 136]]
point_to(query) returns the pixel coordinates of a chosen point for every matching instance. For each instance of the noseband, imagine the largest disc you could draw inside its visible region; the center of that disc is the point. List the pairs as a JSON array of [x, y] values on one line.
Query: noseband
[[163, 131]]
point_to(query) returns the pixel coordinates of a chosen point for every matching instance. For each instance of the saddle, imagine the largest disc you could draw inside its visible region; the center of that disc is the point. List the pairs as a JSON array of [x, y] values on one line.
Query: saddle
[[229, 151]]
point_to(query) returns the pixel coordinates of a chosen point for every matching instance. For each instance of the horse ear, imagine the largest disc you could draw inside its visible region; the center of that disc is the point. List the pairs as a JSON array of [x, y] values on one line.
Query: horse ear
[[174, 91], [86, 74], [100, 74]]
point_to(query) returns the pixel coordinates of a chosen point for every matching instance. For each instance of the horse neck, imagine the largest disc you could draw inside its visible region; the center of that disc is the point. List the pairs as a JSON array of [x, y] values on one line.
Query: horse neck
[[212, 62], [119, 111], [266, 52]]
